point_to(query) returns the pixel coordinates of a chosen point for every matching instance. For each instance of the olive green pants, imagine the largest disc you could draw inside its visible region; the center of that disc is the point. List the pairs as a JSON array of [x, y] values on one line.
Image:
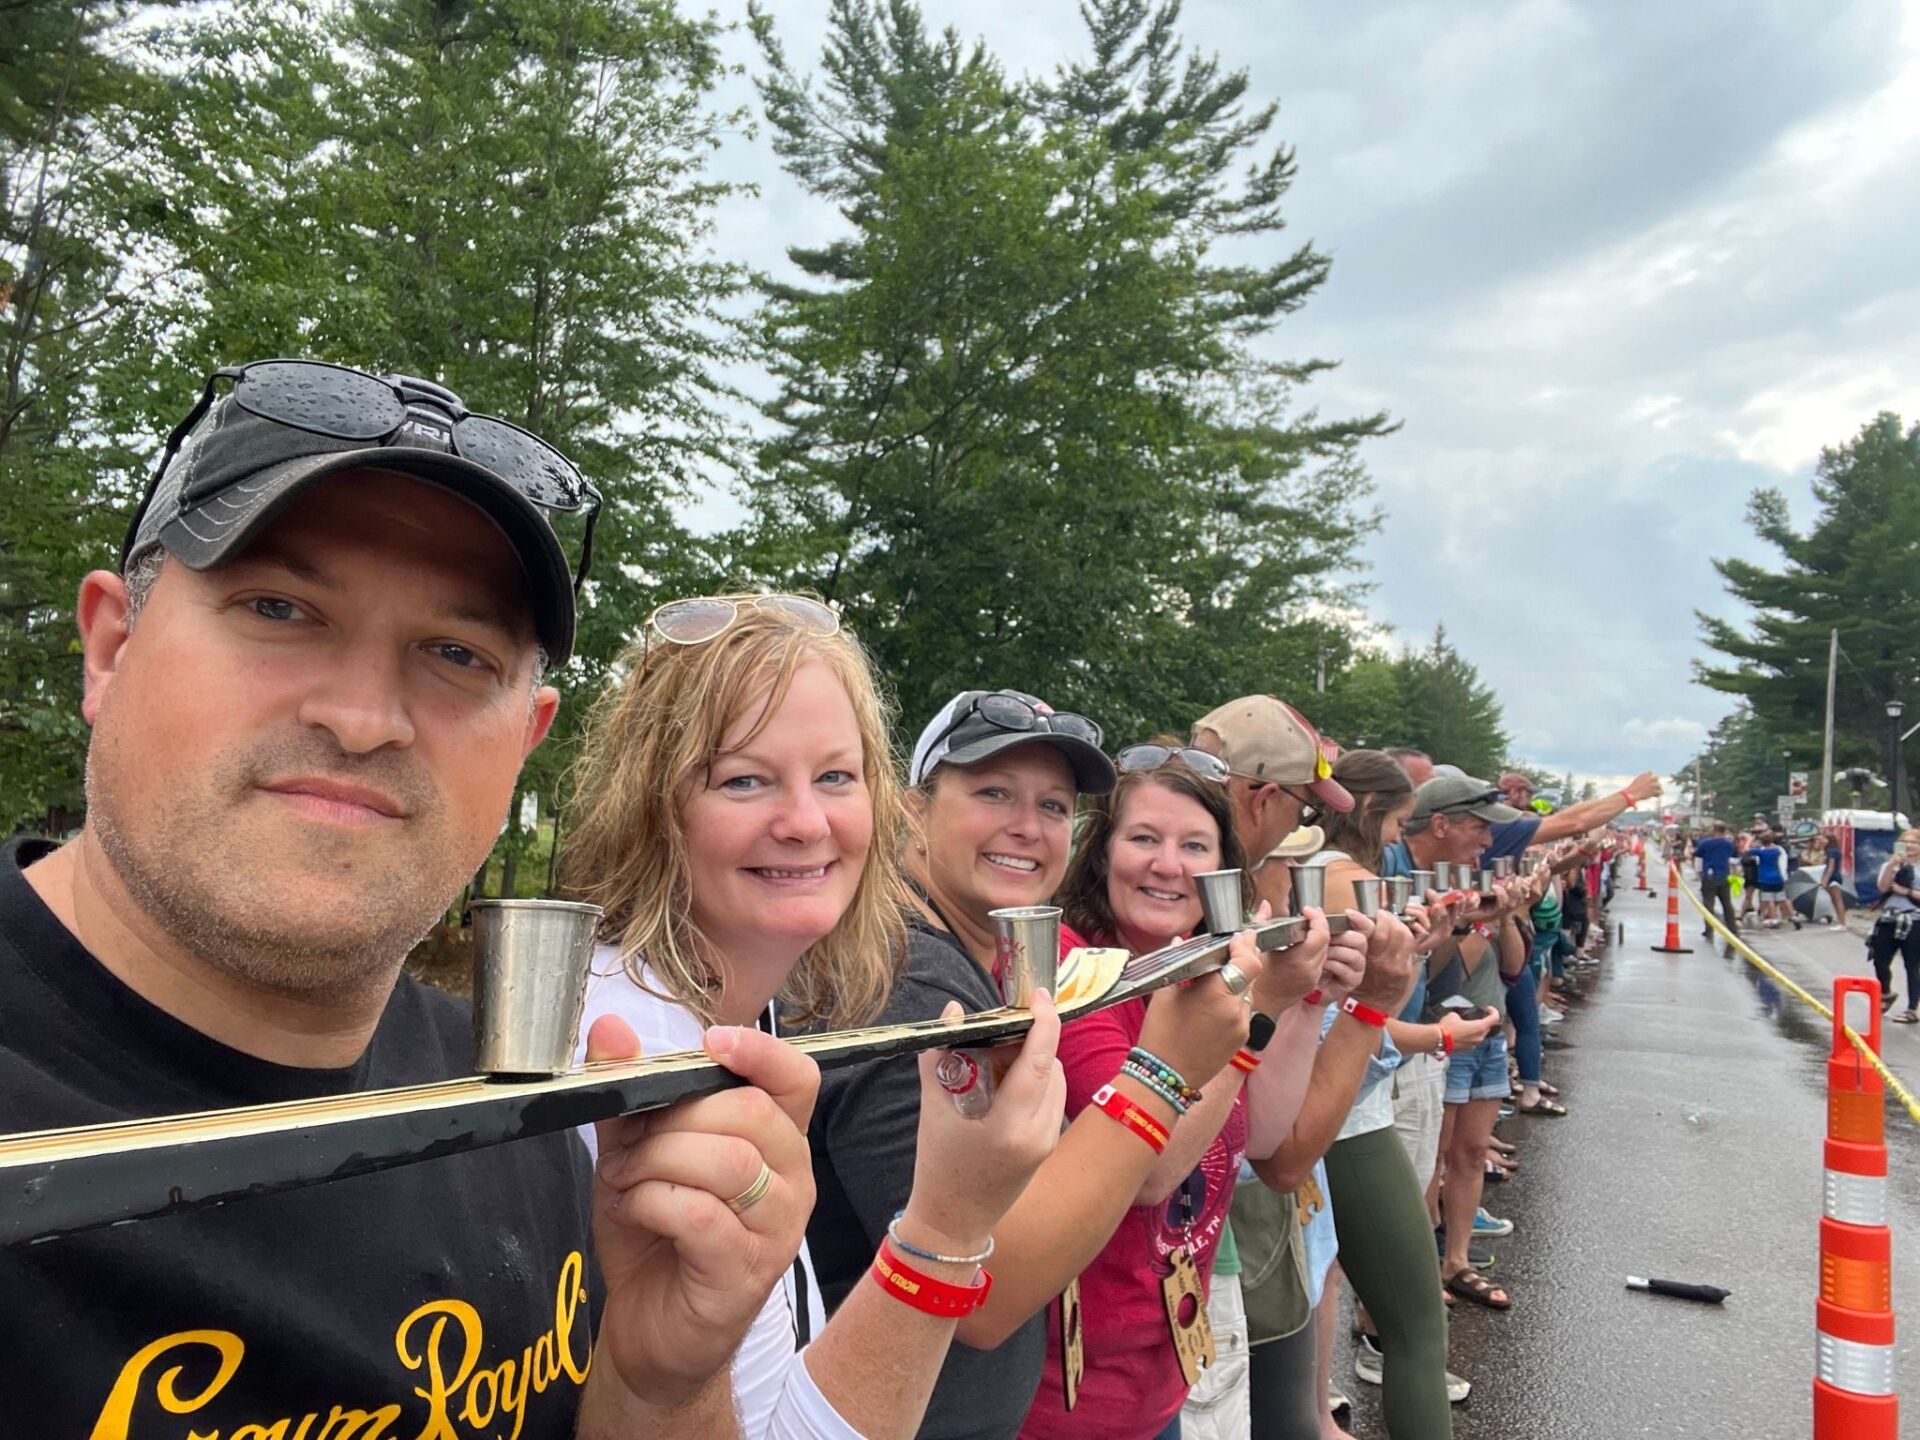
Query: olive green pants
[[1386, 1250]]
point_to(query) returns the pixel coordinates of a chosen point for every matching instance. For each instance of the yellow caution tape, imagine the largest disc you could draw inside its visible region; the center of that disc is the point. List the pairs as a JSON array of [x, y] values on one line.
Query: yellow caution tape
[[1895, 1086]]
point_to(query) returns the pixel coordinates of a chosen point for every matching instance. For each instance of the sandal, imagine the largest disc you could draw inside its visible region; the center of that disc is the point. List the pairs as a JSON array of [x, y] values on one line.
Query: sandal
[[1906, 1017], [1544, 1106], [1552, 1092], [1470, 1284]]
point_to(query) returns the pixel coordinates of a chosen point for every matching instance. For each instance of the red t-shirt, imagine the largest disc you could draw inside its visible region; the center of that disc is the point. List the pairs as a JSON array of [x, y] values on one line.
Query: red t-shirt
[[1132, 1385]]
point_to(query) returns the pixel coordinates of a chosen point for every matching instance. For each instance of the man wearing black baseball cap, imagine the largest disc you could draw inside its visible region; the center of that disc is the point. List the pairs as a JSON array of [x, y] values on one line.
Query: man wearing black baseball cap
[[311, 692]]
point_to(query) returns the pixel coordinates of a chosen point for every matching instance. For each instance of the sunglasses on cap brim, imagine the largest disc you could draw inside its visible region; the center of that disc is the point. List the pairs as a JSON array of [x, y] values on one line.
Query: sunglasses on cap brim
[[341, 403]]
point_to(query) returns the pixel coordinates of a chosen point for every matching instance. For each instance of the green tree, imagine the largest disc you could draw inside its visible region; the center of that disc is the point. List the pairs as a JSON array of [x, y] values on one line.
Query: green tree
[[1021, 434], [506, 195], [1852, 570], [67, 316], [1362, 705], [1448, 711], [1742, 768]]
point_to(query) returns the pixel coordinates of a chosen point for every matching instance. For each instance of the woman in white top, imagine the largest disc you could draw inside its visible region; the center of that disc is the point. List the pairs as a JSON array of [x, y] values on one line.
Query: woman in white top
[[1386, 1243], [738, 817]]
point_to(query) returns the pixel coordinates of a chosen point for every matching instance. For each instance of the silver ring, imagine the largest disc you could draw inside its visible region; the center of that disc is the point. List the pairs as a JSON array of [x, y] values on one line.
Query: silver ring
[[1235, 979], [754, 1193]]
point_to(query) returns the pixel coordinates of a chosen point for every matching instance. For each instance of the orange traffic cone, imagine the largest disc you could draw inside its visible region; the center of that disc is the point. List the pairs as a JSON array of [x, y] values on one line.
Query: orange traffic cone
[[1640, 849], [1853, 1395], [1673, 945]]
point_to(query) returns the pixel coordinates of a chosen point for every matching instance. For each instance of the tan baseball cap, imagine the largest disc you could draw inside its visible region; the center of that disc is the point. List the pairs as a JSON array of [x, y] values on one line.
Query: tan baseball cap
[[1265, 739], [1307, 840]]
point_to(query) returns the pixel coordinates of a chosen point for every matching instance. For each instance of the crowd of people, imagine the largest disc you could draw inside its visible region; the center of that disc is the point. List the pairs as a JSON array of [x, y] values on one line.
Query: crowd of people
[[312, 682]]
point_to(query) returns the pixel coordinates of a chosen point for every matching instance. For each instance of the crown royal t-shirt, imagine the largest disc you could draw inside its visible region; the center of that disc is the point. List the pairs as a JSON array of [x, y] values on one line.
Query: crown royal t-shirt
[[452, 1298]]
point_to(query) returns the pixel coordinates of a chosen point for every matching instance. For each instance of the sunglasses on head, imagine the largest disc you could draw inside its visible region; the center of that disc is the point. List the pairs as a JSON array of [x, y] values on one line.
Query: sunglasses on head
[[1141, 759], [702, 618], [1010, 712], [346, 404]]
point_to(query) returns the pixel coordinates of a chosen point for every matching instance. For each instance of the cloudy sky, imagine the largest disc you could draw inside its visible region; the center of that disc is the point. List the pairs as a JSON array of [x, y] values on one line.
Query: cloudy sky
[[1613, 264]]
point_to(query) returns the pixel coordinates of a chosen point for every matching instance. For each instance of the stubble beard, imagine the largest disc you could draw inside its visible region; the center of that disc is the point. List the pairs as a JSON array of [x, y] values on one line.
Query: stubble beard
[[222, 892]]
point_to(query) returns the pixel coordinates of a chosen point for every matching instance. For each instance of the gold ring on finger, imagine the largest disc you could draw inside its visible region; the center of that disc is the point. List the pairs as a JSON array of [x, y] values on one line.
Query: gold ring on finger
[[754, 1193]]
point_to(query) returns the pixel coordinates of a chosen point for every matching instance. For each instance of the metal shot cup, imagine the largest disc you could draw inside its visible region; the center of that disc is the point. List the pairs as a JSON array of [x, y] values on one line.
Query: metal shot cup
[[1026, 958], [1366, 896], [1423, 881], [1026, 950], [1400, 888], [1443, 875], [1309, 888], [1487, 878], [1220, 901], [1503, 866], [530, 960]]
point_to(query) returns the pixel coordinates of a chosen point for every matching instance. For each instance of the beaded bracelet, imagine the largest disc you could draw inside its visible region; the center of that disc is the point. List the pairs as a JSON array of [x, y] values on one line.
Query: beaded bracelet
[[1135, 1070], [1122, 1109], [1169, 1076], [905, 1248]]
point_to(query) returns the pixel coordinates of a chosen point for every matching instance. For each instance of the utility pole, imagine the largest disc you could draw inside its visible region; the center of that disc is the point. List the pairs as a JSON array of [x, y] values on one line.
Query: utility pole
[[1320, 674], [1826, 747]]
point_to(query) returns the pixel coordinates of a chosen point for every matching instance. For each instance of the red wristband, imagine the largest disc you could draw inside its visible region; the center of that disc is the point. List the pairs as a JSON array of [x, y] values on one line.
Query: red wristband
[[1245, 1061], [1627, 796], [1446, 1042], [1363, 1013], [1314, 997], [923, 1292], [1132, 1116]]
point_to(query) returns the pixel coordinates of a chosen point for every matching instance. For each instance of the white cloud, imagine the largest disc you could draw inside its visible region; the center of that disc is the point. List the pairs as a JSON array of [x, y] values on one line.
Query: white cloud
[[1612, 266], [1666, 733]]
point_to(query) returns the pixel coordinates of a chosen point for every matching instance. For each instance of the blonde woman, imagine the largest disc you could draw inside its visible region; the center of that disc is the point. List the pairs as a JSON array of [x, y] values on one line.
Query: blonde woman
[[739, 819]]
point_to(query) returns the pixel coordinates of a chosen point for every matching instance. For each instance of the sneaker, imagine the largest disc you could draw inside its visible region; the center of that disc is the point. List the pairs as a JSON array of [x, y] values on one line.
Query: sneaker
[[1491, 1226], [1367, 1360], [1367, 1365], [1336, 1402], [1551, 1016], [1479, 1252]]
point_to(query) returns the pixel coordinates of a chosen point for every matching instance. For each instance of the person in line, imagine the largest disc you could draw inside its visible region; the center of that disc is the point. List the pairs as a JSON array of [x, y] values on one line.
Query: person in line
[[1278, 780], [1770, 873], [311, 686], [1379, 1204], [1898, 926], [1715, 854], [740, 823], [1132, 883], [1513, 838], [1453, 819], [1833, 875]]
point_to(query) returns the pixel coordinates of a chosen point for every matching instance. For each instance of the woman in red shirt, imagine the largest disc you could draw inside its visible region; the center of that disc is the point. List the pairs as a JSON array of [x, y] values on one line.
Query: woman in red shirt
[[1143, 1297]]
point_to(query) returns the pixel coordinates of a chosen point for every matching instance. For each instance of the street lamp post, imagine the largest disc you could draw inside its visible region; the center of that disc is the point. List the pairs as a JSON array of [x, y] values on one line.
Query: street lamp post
[[1895, 708]]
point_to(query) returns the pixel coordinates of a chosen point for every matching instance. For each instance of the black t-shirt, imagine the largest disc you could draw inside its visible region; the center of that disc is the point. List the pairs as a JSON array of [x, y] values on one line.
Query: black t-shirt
[[863, 1135], [444, 1298]]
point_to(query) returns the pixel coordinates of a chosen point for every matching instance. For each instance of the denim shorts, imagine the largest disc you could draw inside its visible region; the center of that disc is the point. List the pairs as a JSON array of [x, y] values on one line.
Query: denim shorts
[[1479, 1073]]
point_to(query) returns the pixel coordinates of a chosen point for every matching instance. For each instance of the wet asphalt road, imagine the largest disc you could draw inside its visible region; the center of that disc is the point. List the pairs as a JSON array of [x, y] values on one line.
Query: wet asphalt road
[[1692, 1152]]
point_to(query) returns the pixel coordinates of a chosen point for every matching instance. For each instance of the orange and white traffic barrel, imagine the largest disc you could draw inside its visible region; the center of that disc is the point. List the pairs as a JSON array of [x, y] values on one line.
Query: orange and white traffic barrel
[[1671, 945], [1853, 1395]]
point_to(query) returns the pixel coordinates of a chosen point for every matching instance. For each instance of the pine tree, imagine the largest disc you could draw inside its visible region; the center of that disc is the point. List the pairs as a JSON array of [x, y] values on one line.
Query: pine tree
[[1021, 434]]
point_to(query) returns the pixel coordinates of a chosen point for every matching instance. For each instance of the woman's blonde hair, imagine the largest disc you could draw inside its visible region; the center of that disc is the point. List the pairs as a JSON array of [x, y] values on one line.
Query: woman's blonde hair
[[661, 727]]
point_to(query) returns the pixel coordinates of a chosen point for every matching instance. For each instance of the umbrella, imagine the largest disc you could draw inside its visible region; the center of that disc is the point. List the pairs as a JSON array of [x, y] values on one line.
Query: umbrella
[[1805, 895]]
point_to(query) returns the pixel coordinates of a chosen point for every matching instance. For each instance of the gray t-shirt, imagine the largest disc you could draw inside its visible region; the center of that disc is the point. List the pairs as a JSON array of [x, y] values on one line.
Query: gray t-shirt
[[863, 1135]]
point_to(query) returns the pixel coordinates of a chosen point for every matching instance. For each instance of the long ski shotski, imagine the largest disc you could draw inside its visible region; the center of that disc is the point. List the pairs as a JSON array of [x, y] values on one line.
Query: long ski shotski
[[58, 1182]]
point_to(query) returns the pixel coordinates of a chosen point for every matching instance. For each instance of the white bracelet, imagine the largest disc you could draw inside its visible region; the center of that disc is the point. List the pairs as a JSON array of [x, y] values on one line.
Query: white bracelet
[[893, 1234]]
